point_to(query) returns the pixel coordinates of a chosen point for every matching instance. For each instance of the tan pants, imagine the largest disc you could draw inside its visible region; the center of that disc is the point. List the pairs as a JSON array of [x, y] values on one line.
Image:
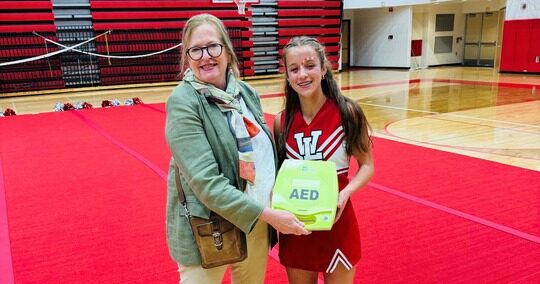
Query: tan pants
[[249, 271]]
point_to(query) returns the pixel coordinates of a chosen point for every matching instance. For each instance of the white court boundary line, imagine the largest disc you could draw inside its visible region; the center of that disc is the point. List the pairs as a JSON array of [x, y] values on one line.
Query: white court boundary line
[[453, 115]]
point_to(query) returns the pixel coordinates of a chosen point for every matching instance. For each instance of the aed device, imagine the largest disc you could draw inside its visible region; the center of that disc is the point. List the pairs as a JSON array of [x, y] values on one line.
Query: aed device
[[309, 190]]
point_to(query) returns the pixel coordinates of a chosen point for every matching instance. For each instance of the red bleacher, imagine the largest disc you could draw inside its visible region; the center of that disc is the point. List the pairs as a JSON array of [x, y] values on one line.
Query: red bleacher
[[18, 20], [141, 27], [323, 22]]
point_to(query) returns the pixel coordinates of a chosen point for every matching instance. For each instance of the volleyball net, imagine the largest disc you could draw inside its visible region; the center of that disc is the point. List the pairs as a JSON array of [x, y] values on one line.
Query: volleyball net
[[74, 48]]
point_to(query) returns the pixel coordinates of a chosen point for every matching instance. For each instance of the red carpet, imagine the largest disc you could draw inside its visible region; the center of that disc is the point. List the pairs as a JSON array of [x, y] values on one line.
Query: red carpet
[[85, 199]]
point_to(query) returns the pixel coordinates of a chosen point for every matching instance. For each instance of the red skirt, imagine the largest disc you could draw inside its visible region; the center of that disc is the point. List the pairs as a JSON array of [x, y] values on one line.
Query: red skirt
[[323, 251]]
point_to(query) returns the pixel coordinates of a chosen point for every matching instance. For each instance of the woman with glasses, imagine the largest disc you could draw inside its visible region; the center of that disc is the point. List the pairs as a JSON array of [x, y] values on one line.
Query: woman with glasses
[[219, 139]]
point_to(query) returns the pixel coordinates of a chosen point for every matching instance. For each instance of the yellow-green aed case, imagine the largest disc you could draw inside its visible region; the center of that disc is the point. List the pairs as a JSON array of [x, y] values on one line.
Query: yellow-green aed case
[[309, 190]]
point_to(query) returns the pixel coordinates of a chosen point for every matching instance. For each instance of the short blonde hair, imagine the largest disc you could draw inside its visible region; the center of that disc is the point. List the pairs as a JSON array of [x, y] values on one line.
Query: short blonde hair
[[197, 21]]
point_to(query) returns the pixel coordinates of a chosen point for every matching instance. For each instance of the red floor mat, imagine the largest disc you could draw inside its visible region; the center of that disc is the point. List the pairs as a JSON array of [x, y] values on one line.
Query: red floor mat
[[82, 209], [79, 209]]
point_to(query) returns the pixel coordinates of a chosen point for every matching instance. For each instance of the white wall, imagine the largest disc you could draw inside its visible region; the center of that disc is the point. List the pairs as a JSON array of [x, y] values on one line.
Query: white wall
[[420, 31], [371, 27], [483, 6], [429, 40], [362, 4], [348, 15], [370, 43], [515, 11]]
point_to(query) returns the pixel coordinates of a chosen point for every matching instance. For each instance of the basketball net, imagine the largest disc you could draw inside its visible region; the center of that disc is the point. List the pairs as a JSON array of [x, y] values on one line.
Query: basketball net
[[241, 4]]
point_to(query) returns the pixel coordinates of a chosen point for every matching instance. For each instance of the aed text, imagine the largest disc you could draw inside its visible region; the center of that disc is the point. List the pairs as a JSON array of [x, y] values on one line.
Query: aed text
[[305, 194]]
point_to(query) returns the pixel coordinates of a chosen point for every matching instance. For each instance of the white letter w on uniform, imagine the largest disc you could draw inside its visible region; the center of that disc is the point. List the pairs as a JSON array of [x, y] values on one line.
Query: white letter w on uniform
[[307, 146]]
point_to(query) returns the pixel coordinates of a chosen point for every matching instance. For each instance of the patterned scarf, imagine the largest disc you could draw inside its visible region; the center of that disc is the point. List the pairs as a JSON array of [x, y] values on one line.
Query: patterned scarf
[[243, 129]]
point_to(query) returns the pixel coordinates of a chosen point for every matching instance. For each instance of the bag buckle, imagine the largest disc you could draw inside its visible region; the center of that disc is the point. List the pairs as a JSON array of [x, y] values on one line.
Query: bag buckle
[[186, 210], [216, 235], [218, 240]]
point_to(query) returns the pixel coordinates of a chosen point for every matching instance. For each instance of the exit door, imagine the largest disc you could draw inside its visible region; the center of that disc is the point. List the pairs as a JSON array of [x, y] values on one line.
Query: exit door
[[481, 34]]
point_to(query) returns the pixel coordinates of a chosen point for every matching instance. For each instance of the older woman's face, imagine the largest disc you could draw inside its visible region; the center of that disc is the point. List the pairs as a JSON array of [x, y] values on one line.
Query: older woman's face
[[207, 57]]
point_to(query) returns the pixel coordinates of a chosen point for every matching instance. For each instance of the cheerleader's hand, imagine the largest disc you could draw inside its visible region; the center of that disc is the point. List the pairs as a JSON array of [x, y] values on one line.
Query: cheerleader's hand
[[343, 197]]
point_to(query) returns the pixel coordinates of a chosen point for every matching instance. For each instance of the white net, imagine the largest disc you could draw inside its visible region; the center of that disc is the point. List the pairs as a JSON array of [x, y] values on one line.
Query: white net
[[74, 48], [241, 6]]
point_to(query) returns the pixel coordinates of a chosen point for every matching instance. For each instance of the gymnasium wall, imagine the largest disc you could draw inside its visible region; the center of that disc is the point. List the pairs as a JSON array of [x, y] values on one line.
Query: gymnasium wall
[[382, 37], [521, 37], [363, 4], [129, 29], [454, 57], [370, 28]]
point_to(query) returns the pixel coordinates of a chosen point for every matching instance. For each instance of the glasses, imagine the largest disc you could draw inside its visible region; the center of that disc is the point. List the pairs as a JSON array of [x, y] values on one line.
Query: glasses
[[213, 50]]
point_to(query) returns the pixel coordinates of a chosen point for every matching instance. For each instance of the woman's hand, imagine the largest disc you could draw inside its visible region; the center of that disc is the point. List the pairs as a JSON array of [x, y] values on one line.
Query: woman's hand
[[283, 221], [343, 197]]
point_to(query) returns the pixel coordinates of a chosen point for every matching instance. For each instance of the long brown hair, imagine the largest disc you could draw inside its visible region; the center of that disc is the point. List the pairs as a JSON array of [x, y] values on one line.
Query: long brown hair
[[355, 125], [195, 22]]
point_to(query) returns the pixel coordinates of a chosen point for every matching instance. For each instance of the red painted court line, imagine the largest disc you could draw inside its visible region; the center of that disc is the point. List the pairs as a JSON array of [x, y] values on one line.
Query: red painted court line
[[412, 81], [271, 95], [274, 95], [6, 263], [121, 145], [458, 213], [498, 84]]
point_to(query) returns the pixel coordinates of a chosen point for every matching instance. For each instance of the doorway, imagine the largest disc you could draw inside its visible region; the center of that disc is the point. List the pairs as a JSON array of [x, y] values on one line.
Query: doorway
[[345, 43], [481, 34], [502, 14]]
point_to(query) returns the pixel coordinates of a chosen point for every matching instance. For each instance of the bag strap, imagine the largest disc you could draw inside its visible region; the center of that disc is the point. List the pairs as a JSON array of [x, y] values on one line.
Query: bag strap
[[181, 195]]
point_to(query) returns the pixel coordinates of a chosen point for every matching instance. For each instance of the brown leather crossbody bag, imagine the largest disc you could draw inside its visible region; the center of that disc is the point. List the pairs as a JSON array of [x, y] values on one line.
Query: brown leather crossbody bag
[[218, 240]]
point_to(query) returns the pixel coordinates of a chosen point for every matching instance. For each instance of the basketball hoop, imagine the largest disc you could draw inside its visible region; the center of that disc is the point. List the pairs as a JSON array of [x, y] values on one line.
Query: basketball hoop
[[241, 4]]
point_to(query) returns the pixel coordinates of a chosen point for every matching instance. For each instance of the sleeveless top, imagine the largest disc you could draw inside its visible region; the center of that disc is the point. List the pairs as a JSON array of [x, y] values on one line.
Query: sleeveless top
[[322, 139]]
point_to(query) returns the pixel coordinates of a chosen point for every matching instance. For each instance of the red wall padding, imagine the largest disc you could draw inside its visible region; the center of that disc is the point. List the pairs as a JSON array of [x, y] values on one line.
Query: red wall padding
[[416, 47], [521, 46]]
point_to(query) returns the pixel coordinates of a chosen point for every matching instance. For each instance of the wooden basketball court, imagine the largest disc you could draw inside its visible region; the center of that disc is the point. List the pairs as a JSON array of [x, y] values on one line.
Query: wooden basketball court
[[472, 111]]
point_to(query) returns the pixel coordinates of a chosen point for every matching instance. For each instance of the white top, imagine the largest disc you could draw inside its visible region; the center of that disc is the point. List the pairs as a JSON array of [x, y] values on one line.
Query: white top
[[263, 158]]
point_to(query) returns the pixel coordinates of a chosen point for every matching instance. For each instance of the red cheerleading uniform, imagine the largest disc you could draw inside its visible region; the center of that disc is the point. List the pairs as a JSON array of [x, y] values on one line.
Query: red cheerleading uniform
[[322, 139]]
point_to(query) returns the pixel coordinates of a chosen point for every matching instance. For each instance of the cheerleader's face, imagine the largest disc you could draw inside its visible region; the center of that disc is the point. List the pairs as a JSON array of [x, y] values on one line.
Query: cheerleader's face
[[304, 71]]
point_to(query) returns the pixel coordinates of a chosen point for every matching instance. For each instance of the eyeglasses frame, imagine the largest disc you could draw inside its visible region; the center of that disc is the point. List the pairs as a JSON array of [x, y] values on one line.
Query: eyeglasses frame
[[202, 51]]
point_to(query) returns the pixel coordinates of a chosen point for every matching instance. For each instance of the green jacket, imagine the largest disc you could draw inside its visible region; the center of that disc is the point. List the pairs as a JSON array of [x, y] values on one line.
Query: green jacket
[[207, 156]]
